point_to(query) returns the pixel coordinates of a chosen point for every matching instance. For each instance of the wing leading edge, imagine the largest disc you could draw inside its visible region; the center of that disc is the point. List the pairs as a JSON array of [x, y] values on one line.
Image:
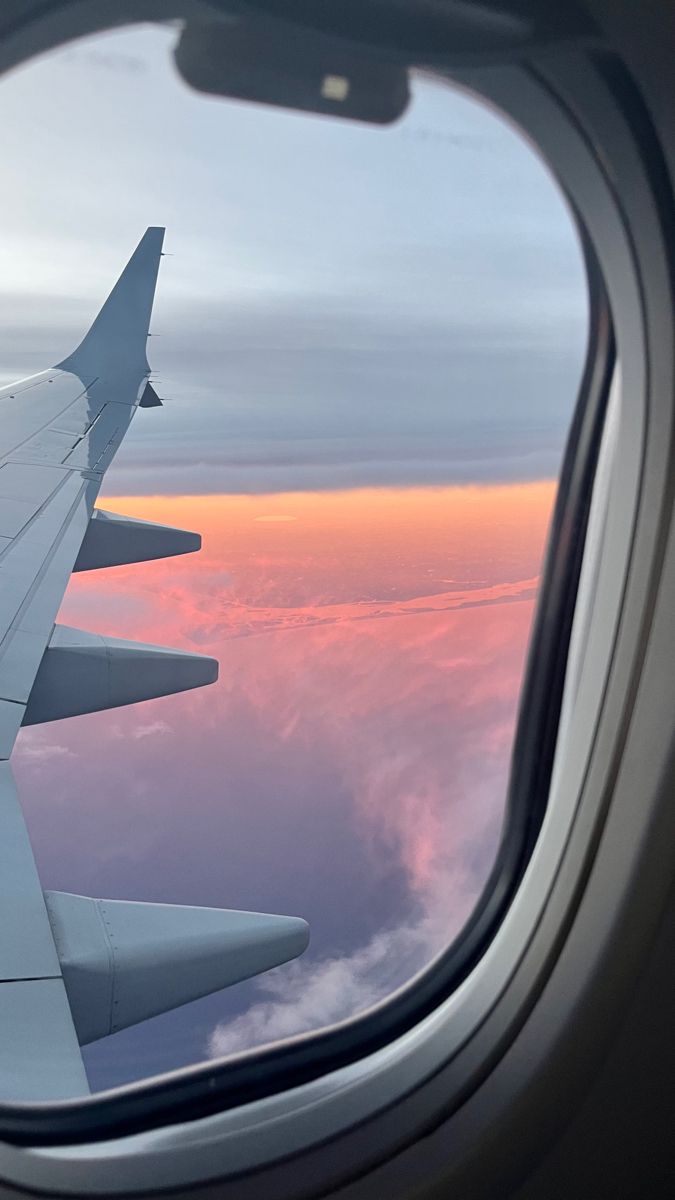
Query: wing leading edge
[[60, 984]]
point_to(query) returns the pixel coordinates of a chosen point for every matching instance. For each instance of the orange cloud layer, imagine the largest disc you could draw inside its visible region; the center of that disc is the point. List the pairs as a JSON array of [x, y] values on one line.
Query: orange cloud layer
[[419, 707]]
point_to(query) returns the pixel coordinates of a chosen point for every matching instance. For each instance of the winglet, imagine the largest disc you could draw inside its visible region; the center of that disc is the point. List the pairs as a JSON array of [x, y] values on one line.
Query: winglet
[[118, 336]]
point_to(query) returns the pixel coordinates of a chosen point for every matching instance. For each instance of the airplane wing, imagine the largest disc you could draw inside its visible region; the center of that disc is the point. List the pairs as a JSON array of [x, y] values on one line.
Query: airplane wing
[[74, 968]]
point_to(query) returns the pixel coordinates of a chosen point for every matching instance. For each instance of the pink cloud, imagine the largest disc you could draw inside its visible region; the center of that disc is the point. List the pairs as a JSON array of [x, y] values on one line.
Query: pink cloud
[[404, 687]]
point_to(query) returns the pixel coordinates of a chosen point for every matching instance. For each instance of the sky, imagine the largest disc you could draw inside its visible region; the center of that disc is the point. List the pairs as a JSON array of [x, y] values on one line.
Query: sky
[[369, 343]]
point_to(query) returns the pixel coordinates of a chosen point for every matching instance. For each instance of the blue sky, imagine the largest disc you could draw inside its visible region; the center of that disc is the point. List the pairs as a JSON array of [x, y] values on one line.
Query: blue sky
[[344, 307]]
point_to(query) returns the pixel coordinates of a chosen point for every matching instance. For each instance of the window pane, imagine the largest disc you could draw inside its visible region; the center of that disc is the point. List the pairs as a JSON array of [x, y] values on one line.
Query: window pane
[[371, 343]]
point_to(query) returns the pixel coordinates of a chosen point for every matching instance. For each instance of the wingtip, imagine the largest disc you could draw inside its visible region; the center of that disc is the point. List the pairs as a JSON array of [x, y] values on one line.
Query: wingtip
[[154, 238], [116, 339]]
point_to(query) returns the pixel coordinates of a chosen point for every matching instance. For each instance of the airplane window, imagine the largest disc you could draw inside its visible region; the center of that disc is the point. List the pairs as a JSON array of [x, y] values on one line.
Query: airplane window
[[368, 341]]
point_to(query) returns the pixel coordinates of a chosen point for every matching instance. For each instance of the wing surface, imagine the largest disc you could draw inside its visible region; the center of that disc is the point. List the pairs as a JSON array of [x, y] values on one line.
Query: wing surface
[[65, 978], [59, 431]]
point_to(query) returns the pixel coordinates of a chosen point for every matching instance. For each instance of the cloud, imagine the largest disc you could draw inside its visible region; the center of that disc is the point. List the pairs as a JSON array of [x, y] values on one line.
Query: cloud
[[150, 729], [424, 753], [322, 340], [272, 517], [316, 395], [41, 754], [349, 770], [310, 995], [118, 63]]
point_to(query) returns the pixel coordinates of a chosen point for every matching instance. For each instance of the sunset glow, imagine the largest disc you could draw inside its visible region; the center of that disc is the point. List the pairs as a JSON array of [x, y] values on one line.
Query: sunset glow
[[294, 560], [371, 654]]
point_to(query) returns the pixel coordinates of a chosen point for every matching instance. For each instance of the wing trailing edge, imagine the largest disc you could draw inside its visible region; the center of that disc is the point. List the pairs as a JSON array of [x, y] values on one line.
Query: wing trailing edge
[[39, 1052]]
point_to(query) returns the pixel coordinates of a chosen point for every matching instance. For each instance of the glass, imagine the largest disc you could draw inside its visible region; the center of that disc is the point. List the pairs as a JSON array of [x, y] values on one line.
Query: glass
[[370, 347]]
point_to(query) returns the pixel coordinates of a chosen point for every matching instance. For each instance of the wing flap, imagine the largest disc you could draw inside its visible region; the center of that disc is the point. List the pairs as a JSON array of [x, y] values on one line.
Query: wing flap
[[39, 1053], [34, 405], [35, 570], [110, 426], [11, 718], [40, 1056], [26, 945]]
